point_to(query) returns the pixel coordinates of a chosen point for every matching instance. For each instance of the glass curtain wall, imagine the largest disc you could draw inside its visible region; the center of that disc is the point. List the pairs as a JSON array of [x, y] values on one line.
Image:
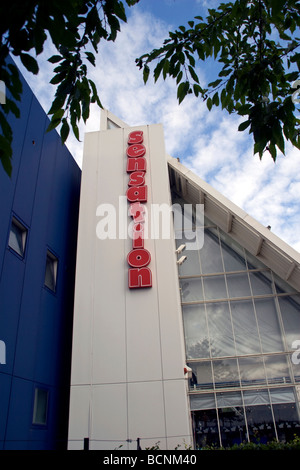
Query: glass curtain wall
[[240, 322]]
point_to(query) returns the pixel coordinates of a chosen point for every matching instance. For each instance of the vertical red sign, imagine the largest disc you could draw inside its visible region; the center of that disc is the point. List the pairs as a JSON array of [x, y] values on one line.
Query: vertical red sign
[[139, 275]]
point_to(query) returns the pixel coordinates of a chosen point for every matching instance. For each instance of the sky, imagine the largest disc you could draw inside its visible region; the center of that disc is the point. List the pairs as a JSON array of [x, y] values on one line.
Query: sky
[[207, 142]]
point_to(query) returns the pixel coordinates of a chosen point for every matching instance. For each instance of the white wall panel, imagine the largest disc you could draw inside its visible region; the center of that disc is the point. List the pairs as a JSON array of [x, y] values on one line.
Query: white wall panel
[[128, 343]]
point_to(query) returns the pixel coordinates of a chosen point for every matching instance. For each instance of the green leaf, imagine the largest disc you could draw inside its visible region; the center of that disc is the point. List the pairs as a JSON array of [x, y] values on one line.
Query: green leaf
[[215, 83], [179, 77], [30, 63], [64, 131], [55, 58], [146, 72], [193, 74], [182, 91], [244, 125], [215, 99]]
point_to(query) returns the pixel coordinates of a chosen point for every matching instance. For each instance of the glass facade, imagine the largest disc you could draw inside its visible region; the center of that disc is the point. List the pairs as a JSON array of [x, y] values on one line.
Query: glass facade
[[240, 321]]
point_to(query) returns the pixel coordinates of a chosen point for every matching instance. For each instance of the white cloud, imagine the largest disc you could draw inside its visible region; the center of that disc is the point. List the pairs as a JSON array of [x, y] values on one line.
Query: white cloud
[[207, 142]]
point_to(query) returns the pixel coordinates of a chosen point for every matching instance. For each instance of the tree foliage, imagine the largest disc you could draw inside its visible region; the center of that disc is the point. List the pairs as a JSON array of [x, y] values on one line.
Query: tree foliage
[[256, 43], [76, 28]]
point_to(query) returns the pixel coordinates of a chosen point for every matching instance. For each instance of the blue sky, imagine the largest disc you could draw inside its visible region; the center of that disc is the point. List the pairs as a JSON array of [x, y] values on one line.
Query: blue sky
[[206, 142]]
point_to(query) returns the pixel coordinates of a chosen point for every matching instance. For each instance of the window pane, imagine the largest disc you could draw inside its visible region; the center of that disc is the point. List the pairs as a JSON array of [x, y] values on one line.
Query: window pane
[[252, 371], [282, 395], [277, 370], [226, 373], [260, 423], [17, 237], [233, 254], [238, 285], [214, 287], [204, 401], [268, 325], [51, 271], [232, 425], [290, 313], [195, 331], [191, 266], [261, 283], [287, 421], [202, 376], [40, 406], [191, 290], [206, 428], [245, 327], [220, 329], [256, 397], [210, 253]]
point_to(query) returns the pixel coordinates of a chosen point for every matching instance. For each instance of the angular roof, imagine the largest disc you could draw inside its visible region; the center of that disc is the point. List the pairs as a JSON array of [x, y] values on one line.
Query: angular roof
[[248, 232]]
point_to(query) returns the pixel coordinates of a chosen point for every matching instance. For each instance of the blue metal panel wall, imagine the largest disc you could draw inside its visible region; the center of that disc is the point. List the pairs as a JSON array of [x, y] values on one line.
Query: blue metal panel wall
[[36, 323]]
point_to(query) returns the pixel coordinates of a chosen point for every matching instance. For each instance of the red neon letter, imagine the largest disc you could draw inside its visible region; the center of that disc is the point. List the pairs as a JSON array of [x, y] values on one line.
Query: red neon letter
[[138, 236], [136, 164], [136, 150], [137, 178], [138, 258], [137, 194], [135, 137], [139, 278], [137, 211]]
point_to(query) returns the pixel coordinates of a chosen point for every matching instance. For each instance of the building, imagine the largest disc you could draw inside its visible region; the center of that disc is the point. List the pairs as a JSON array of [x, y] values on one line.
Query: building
[[186, 310], [193, 347], [38, 236]]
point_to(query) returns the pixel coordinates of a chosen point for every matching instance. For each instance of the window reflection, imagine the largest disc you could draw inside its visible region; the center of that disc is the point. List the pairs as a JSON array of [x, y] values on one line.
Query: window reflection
[[210, 254], [261, 283], [240, 340], [214, 287], [277, 370], [206, 428], [260, 423], [233, 255], [268, 324], [252, 371], [232, 425], [226, 373], [238, 285], [220, 329], [245, 327], [195, 331]]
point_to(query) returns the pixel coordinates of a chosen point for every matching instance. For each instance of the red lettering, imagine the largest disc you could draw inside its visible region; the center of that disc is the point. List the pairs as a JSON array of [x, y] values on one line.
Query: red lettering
[[139, 278], [138, 236], [137, 178], [136, 150], [137, 211], [136, 164], [139, 258], [135, 137], [137, 194]]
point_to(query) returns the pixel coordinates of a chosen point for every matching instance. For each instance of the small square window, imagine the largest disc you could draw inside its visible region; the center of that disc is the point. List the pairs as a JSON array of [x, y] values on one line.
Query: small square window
[[40, 407], [17, 237], [51, 271]]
